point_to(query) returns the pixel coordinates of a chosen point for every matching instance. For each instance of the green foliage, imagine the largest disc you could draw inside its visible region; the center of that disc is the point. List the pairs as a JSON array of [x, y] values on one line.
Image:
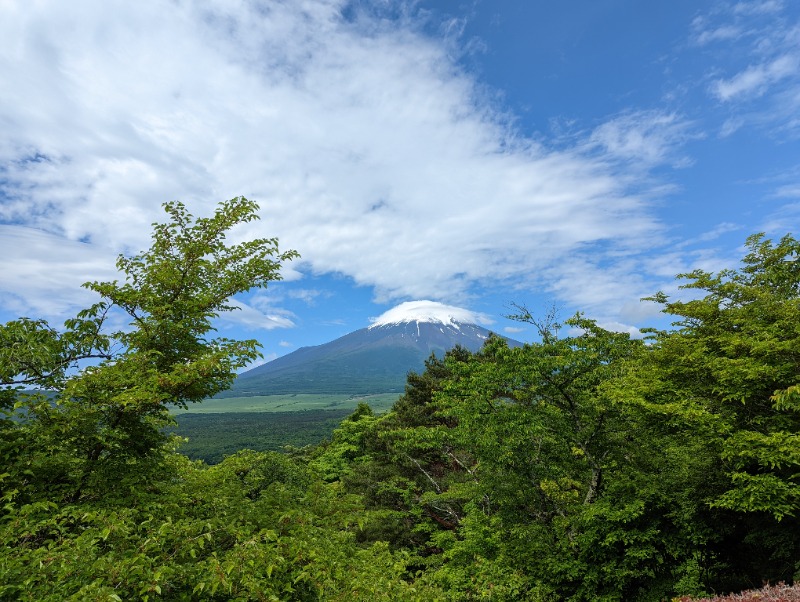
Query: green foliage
[[346, 448], [742, 340], [174, 290], [97, 503], [589, 466], [596, 467], [728, 375], [255, 527], [103, 422], [409, 468], [560, 464]]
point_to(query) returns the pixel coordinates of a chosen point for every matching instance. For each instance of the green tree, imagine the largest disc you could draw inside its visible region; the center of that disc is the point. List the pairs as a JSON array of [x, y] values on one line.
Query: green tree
[[404, 464], [257, 526], [558, 465], [726, 380], [108, 391], [97, 504]]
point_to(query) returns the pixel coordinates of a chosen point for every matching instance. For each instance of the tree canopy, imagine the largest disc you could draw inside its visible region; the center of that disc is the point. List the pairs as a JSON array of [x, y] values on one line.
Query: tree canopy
[[586, 466]]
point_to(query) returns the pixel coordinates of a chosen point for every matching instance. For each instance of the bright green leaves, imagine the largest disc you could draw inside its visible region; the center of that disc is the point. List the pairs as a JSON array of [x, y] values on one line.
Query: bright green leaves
[[110, 390], [787, 399], [737, 357], [773, 487], [174, 290], [255, 527], [29, 351], [35, 355], [556, 452], [546, 403], [588, 466], [594, 466], [761, 493], [96, 504], [347, 448]]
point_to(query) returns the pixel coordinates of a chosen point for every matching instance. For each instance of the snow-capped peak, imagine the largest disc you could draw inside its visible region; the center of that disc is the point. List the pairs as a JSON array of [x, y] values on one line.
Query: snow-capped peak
[[429, 311]]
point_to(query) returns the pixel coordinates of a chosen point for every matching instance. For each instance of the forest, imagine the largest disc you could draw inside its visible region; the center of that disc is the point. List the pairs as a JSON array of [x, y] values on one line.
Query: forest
[[587, 466], [211, 437]]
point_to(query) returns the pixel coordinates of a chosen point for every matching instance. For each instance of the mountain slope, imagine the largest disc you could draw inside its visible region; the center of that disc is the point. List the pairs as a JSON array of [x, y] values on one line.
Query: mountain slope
[[371, 360]]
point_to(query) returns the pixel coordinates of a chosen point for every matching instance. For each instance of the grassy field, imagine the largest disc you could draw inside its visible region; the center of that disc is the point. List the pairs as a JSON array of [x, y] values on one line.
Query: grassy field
[[290, 403], [219, 427]]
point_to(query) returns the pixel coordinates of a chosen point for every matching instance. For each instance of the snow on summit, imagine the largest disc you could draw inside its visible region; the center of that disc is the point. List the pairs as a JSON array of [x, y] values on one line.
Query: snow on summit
[[429, 311]]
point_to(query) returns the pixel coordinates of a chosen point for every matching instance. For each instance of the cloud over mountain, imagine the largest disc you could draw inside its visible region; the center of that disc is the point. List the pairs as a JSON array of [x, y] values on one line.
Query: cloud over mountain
[[371, 150], [376, 359], [376, 147], [429, 311]]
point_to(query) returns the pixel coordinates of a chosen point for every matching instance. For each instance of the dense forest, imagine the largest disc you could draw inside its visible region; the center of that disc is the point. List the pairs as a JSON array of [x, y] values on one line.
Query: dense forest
[[587, 466], [211, 437]]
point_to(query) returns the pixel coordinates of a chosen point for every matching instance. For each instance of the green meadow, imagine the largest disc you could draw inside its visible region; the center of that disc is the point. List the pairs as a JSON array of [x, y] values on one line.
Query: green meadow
[[380, 402], [217, 428]]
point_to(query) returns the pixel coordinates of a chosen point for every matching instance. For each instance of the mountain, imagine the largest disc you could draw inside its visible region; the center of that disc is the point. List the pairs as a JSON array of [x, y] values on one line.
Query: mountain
[[370, 360]]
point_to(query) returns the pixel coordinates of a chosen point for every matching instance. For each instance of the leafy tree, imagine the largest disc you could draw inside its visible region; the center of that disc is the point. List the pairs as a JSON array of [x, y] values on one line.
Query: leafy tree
[[557, 464], [108, 390], [97, 504], [588, 466], [727, 378], [346, 451], [743, 343], [596, 467], [257, 526], [404, 464]]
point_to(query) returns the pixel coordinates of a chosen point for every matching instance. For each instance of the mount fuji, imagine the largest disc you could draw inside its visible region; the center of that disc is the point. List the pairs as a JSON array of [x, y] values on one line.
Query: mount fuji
[[376, 359]]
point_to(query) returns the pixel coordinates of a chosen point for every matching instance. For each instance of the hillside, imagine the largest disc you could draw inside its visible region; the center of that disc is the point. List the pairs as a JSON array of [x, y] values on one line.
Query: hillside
[[371, 360]]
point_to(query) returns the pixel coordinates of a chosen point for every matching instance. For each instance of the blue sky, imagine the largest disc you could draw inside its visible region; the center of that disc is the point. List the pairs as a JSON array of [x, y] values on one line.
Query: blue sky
[[483, 153]]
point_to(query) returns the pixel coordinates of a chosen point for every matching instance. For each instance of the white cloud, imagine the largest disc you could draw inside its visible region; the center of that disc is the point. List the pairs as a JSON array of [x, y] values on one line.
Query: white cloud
[[595, 288], [707, 36], [252, 318], [42, 273], [370, 150], [782, 220], [755, 65], [731, 126], [308, 296], [644, 137], [429, 311], [758, 7], [756, 80], [788, 191], [620, 327], [757, 60], [715, 233]]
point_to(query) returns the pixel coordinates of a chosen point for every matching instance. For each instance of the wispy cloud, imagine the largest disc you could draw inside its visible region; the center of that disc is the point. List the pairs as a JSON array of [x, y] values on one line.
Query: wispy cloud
[[783, 219], [308, 296], [42, 272], [645, 137], [371, 150], [704, 36], [713, 234], [756, 80], [756, 46], [256, 319], [758, 7], [788, 191]]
